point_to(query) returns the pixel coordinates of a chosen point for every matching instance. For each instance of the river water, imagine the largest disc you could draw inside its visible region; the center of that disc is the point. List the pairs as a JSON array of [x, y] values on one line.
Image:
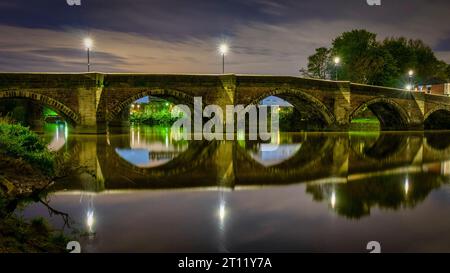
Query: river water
[[145, 191]]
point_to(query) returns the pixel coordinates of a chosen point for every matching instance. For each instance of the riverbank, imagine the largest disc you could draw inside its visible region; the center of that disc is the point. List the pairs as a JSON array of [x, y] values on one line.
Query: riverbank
[[18, 235], [27, 165], [26, 170], [19, 179]]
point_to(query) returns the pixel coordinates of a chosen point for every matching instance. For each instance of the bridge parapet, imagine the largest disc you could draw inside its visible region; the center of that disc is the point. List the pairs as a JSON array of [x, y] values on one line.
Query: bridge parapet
[[50, 80]]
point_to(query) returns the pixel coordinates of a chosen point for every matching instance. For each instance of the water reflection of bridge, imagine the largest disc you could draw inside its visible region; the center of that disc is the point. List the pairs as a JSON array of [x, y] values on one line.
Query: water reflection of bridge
[[317, 157]]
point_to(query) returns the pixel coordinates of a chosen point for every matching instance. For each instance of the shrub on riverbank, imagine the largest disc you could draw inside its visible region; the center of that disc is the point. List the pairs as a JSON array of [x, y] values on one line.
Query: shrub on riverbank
[[162, 118], [18, 141], [26, 167]]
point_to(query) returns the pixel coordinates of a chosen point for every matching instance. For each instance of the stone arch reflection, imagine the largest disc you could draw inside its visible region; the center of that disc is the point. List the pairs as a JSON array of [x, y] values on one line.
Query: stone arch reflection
[[295, 158], [438, 140], [186, 168], [289, 150], [272, 153], [377, 146], [149, 147], [269, 154], [383, 151]]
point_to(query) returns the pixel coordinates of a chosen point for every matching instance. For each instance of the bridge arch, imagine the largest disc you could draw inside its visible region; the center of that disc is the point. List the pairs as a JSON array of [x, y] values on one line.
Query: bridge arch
[[71, 116], [171, 95], [437, 119], [309, 106], [391, 115]]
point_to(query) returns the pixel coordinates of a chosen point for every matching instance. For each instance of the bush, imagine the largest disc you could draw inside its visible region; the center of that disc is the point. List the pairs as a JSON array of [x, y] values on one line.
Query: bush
[[163, 117], [19, 142]]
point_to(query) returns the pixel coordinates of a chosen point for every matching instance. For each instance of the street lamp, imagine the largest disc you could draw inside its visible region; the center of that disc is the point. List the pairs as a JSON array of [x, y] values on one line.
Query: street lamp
[[88, 45], [337, 61], [223, 49]]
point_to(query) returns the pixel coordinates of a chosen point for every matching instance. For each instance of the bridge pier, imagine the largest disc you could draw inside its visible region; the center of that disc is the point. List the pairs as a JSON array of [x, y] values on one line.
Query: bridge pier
[[121, 123], [88, 100], [341, 107]]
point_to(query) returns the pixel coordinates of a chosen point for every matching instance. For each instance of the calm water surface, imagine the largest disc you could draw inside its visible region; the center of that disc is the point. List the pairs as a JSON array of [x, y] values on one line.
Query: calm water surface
[[144, 191]]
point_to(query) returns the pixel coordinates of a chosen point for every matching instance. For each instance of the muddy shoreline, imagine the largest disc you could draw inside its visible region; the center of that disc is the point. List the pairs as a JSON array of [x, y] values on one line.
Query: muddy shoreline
[[22, 184]]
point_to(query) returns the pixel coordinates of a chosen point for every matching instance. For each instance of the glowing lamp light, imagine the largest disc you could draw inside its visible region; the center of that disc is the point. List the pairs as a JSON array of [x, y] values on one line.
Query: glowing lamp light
[[337, 60], [411, 73], [409, 87], [90, 220], [333, 200], [406, 186], [223, 49], [88, 43], [222, 212]]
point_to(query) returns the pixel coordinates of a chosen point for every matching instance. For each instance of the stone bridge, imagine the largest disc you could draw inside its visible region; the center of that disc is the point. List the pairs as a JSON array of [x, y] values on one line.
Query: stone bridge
[[91, 101]]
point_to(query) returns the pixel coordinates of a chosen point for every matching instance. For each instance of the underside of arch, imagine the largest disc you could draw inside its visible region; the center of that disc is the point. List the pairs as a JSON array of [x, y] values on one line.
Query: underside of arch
[[390, 115], [310, 113], [175, 97], [68, 114], [438, 120]]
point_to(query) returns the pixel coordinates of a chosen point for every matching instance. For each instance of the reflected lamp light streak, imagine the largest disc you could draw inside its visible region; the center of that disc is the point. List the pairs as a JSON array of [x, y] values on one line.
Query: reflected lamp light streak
[[333, 199]]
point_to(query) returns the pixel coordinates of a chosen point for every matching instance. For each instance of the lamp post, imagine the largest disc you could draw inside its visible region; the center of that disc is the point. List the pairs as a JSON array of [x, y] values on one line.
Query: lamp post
[[88, 44], [337, 61], [223, 49]]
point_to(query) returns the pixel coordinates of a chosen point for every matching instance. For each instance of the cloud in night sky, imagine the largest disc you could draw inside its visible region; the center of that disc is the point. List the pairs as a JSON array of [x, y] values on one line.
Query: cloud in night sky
[[266, 37]]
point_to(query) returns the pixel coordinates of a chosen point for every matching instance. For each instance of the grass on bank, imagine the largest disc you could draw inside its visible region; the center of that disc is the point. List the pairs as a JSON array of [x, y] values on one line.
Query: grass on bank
[[18, 141]]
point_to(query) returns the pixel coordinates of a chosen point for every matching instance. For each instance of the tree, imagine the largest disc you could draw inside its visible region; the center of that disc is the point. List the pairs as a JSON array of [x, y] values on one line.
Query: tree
[[355, 48], [318, 64], [386, 63], [381, 68], [416, 55], [364, 60], [447, 72]]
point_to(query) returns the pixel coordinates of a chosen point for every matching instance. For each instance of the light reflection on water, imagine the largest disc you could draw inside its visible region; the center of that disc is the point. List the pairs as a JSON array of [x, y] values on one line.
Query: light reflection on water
[[315, 192], [151, 152], [56, 135]]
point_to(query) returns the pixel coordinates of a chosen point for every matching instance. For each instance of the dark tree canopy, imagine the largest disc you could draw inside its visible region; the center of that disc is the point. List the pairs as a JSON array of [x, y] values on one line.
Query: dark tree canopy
[[368, 61]]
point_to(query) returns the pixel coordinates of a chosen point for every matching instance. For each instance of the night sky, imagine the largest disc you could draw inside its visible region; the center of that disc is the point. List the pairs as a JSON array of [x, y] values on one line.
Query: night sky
[[181, 36]]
